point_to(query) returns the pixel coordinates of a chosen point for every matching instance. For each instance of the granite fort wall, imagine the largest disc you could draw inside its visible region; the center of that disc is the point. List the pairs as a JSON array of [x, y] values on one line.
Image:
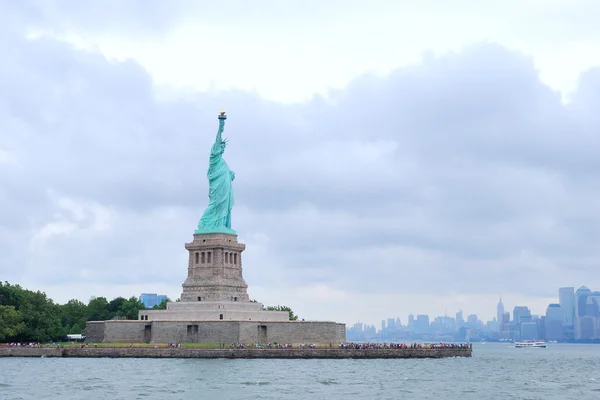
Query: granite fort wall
[[195, 332], [94, 331], [216, 332], [293, 332], [139, 352], [124, 331]]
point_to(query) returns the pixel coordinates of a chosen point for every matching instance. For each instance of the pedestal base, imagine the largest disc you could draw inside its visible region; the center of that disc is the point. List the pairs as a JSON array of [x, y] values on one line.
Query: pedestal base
[[214, 311], [215, 269], [223, 229]]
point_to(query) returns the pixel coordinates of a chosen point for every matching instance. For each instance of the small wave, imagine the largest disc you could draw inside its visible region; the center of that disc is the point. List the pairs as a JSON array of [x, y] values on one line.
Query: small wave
[[571, 385], [328, 382], [257, 383], [92, 387], [4, 385]]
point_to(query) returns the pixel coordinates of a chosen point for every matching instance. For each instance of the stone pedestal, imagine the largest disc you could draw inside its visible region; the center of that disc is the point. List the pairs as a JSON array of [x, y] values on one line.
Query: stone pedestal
[[215, 269], [214, 289], [213, 311]]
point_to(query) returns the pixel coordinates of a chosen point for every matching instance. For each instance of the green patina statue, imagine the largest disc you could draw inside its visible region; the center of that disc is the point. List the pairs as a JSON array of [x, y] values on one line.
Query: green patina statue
[[217, 216]]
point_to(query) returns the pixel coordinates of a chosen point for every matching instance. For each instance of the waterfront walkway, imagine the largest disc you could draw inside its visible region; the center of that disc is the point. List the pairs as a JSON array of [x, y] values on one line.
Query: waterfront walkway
[[342, 351]]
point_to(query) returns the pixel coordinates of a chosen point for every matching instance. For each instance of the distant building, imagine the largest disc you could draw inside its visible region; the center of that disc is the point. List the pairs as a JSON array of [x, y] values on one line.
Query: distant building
[[587, 328], [585, 313], [472, 321], [593, 304], [529, 331], [459, 319], [391, 324], [500, 314], [581, 300], [152, 299], [553, 323], [521, 314], [554, 312], [566, 299], [422, 323]]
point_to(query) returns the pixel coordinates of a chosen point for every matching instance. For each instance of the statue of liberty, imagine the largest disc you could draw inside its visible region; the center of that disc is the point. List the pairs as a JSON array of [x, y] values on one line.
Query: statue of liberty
[[217, 216]]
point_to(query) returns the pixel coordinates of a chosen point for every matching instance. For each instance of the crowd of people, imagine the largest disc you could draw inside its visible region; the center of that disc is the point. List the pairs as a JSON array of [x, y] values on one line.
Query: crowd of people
[[352, 345], [415, 345], [269, 345], [22, 345]]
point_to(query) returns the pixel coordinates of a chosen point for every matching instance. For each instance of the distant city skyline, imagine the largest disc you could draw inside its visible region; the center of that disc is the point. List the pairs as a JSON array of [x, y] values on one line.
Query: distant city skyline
[[488, 306], [575, 316]]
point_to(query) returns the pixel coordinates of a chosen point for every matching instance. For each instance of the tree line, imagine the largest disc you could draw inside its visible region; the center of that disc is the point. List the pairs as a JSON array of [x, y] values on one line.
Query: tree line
[[28, 316]]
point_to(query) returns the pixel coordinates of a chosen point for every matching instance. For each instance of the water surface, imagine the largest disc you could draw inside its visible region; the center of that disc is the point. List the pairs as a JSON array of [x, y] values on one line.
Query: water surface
[[496, 371]]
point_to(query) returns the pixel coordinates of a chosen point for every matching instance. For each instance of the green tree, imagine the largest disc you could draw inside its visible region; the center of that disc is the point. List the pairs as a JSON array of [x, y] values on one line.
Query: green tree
[[98, 309], [11, 322], [162, 305], [41, 317], [283, 308], [75, 328], [11, 295], [115, 306], [131, 307], [37, 312], [73, 315]]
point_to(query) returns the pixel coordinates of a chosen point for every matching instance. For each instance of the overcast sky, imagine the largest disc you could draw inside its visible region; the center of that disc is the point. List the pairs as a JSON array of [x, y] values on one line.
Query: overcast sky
[[391, 157]]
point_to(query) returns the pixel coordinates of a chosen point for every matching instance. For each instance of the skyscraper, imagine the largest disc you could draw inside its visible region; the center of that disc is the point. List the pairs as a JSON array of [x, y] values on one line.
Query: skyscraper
[[422, 323], [554, 322], [500, 314], [391, 324], [566, 299], [521, 314], [459, 319], [581, 300]]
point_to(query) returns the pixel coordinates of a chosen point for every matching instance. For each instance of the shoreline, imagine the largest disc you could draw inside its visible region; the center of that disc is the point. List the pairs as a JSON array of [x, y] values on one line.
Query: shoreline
[[145, 352]]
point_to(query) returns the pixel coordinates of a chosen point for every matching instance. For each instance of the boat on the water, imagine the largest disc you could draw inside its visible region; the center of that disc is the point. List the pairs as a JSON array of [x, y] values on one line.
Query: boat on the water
[[530, 343]]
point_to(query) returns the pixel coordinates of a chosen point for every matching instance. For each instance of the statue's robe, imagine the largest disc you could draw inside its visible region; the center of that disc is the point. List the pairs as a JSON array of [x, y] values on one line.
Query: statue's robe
[[218, 212]]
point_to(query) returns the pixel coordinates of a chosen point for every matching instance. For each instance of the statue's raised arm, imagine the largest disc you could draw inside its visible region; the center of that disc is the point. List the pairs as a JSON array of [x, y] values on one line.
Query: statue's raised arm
[[217, 216], [217, 146]]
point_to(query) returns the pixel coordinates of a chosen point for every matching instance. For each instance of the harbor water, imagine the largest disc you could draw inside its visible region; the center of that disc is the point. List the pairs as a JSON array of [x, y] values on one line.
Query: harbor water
[[496, 371]]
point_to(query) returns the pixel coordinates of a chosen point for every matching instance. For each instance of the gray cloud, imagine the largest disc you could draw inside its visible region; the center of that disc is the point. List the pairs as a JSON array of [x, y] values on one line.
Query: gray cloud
[[456, 175]]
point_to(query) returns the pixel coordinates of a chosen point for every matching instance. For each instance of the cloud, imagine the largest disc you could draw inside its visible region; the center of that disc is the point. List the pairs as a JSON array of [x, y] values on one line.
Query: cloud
[[462, 175], [132, 17]]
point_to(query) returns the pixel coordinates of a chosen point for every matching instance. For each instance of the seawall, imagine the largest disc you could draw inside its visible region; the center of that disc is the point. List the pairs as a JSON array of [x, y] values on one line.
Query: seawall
[[148, 352]]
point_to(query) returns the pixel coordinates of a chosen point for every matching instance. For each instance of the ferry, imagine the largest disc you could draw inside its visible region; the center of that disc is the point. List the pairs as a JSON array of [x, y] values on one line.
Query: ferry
[[531, 343]]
